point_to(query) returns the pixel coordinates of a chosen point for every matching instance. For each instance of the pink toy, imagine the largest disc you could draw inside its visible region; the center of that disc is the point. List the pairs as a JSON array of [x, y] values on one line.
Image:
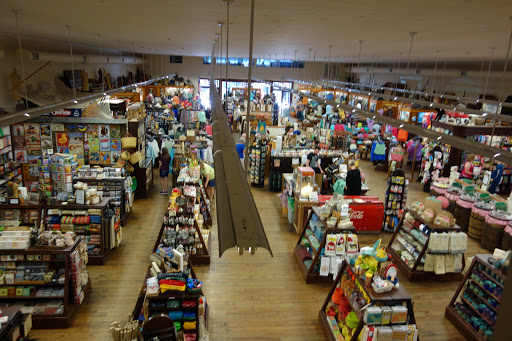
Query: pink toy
[[444, 202]]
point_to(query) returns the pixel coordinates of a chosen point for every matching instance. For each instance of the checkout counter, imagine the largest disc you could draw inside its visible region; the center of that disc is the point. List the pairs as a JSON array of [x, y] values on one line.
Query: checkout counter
[[366, 212]]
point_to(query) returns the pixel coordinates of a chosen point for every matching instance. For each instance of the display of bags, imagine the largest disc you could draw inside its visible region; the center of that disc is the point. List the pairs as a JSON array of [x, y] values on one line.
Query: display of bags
[[129, 142], [135, 157]]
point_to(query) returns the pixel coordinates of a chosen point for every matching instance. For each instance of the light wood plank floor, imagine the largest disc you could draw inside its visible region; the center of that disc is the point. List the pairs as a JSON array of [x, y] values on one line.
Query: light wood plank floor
[[250, 297]]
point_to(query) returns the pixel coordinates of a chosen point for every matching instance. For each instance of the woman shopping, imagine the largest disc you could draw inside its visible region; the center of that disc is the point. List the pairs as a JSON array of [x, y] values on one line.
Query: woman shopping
[[163, 163], [209, 175], [467, 171]]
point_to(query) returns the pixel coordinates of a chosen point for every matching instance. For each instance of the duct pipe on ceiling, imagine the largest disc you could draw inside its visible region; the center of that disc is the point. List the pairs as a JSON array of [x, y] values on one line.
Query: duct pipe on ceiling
[[431, 72], [80, 58]]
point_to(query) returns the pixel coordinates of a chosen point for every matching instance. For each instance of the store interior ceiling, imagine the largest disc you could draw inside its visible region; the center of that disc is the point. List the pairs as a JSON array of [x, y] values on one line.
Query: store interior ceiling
[[455, 30]]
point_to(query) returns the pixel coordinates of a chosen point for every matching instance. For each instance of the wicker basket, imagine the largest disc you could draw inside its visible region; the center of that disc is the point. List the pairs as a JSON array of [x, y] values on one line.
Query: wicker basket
[[492, 235]]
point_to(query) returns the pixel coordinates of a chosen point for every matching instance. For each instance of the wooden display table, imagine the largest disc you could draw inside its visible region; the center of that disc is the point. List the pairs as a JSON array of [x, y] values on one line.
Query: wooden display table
[[414, 274], [10, 329], [307, 273], [58, 259], [301, 212], [394, 297], [94, 258]]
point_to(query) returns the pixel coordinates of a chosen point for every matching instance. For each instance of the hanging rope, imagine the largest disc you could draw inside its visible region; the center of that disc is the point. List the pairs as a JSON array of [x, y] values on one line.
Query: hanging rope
[[72, 62], [409, 59], [489, 71], [435, 71], [21, 59], [101, 64]]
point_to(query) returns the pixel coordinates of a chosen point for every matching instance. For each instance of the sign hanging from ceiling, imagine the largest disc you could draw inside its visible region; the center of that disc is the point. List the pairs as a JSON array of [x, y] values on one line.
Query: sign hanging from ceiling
[[66, 113]]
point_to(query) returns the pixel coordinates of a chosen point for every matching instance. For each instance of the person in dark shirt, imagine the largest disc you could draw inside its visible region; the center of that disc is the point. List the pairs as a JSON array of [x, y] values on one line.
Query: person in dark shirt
[[164, 162], [313, 161], [353, 179]]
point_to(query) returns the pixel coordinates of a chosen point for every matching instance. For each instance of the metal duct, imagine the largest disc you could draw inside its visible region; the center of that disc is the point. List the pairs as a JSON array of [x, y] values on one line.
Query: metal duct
[[238, 221], [78, 58]]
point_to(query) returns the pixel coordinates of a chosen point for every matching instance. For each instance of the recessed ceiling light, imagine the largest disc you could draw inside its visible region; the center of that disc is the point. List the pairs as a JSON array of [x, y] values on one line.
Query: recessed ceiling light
[[27, 114], [401, 126]]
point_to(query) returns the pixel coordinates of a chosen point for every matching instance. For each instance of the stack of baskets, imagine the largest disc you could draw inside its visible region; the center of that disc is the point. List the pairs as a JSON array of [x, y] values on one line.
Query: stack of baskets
[[495, 223]]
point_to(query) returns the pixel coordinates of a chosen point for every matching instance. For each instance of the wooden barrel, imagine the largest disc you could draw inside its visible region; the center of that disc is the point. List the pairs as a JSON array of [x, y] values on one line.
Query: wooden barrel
[[463, 212], [452, 201], [477, 221], [506, 243], [492, 235]]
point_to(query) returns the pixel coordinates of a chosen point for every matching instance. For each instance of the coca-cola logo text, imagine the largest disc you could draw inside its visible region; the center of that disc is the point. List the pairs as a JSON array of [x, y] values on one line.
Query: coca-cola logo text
[[356, 214]]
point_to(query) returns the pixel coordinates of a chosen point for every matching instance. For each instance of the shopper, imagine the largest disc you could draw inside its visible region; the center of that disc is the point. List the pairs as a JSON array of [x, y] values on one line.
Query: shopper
[[163, 163], [353, 179], [467, 170], [240, 148], [313, 161], [209, 174], [496, 177]]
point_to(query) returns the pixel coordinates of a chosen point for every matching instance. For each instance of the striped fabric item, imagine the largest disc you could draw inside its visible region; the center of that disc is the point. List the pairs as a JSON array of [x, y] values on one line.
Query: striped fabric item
[[94, 211], [54, 227]]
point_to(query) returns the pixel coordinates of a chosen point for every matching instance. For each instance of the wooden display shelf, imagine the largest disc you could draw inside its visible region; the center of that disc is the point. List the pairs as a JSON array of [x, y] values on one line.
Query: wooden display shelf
[[94, 258], [412, 274], [307, 273], [463, 326], [394, 297], [47, 321]]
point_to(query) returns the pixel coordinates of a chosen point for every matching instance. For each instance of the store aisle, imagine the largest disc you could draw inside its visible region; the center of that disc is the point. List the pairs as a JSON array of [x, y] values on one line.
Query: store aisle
[[250, 297], [115, 285]]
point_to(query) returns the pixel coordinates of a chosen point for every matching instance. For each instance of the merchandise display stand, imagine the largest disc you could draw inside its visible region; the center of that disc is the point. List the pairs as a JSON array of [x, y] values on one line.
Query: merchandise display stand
[[45, 317], [403, 239], [29, 214], [483, 286], [111, 188], [258, 163], [172, 302], [301, 211], [101, 238], [143, 170], [205, 207], [396, 195], [394, 298], [315, 247]]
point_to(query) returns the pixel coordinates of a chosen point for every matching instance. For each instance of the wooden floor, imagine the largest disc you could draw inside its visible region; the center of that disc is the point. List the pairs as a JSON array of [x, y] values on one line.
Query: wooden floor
[[250, 297]]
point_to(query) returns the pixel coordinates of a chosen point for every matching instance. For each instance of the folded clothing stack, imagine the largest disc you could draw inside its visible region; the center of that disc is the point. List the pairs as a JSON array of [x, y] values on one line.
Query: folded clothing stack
[[176, 315], [67, 227], [189, 315], [80, 220], [94, 211], [54, 211], [95, 219], [54, 227], [54, 219]]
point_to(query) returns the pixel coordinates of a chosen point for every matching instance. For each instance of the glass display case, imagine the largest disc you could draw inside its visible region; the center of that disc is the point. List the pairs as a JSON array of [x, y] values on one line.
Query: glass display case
[[304, 181]]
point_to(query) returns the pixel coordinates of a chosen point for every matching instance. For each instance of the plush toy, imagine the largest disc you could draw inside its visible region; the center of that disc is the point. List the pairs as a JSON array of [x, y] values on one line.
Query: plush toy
[[428, 215], [417, 207], [444, 220], [444, 202]]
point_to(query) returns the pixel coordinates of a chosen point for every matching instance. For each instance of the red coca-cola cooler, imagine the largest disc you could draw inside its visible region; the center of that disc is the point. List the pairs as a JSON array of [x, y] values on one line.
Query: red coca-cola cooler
[[366, 212]]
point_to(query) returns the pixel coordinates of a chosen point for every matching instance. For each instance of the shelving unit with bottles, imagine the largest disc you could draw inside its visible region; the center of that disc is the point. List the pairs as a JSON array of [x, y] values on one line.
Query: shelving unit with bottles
[[475, 306]]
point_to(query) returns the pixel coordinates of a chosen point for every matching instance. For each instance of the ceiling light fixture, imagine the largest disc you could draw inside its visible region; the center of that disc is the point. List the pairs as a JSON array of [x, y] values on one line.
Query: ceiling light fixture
[[401, 126], [27, 114], [439, 138], [75, 101]]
